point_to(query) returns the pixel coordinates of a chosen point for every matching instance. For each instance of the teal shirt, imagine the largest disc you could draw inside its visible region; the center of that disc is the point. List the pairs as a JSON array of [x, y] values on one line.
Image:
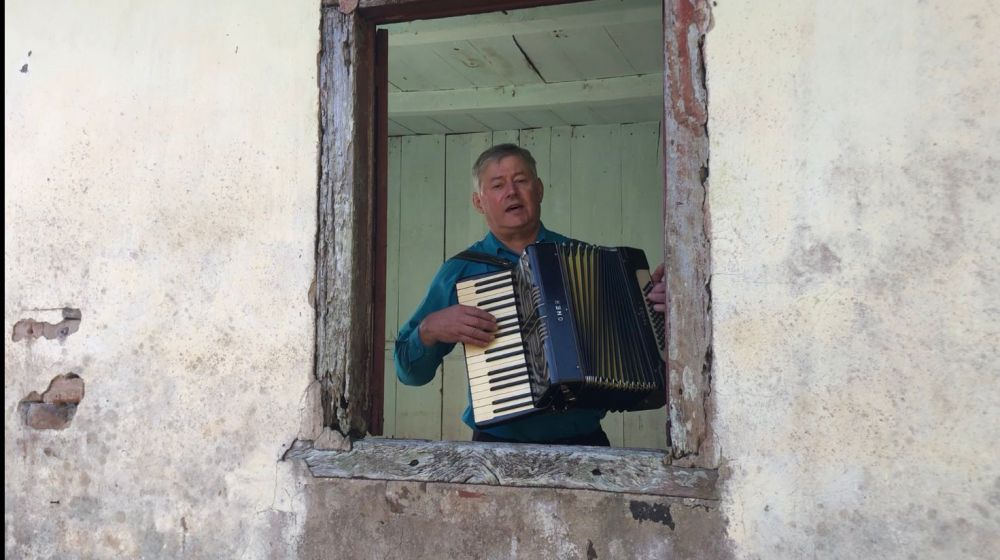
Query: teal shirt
[[416, 364]]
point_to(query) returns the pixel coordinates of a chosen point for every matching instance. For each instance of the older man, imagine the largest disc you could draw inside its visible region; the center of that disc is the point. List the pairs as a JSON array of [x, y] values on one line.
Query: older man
[[509, 196]]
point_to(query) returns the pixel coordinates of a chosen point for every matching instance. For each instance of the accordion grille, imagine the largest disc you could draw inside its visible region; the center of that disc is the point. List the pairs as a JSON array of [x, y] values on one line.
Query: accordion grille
[[613, 339], [533, 329]]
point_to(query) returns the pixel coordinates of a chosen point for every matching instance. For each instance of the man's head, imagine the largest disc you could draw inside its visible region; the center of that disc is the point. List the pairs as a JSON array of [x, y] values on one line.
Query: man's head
[[509, 192]]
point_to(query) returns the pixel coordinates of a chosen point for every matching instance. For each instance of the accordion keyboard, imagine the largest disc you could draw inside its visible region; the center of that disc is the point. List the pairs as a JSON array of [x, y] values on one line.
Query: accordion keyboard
[[499, 381]]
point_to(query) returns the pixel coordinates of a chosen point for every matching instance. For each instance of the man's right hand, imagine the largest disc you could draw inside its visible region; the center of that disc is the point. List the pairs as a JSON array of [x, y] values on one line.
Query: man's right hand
[[458, 323]]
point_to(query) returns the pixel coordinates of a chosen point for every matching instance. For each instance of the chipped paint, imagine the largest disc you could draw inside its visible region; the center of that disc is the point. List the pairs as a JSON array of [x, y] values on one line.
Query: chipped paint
[[28, 329]]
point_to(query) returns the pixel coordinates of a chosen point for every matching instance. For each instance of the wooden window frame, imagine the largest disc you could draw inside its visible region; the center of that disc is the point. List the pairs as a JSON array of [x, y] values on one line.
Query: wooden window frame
[[350, 275]]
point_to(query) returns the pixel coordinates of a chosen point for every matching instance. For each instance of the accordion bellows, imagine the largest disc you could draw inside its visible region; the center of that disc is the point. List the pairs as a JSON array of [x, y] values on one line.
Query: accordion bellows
[[575, 330]]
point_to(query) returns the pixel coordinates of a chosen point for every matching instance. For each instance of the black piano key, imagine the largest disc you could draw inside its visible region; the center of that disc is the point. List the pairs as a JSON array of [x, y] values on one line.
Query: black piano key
[[499, 307], [502, 333], [493, 287], [497, 411], [506, 385], [498, 299], [500, 379], [504, 348], [505, 369], [493, 280], [510, 398], [519, 352]]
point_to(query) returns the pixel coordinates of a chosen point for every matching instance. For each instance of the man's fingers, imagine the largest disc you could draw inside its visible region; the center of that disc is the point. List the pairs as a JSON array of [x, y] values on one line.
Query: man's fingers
[[476, 336], [478, 313], [486, 325], [658, 273], [479, 319], [658, 294]]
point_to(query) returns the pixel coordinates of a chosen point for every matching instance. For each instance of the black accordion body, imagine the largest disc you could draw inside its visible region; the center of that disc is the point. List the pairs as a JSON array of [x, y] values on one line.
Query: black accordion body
[[575, 330]]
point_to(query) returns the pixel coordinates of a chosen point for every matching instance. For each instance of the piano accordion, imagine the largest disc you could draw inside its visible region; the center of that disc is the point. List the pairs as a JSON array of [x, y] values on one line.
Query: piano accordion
[[575, 330]]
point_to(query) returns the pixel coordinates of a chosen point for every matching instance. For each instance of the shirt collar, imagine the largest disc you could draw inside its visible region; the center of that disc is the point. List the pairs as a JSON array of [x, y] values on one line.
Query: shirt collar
[[493, 245]]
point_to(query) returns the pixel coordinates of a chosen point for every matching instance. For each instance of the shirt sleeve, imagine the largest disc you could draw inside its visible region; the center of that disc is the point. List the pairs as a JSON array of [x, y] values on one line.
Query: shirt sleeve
[[416, 364]]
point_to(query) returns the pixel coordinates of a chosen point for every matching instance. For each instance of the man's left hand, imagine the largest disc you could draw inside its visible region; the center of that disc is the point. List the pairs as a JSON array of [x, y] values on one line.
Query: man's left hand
[[658, 295]]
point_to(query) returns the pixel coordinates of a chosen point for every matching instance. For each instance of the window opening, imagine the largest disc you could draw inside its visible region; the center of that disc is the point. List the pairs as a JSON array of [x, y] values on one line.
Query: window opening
[[581, 87]]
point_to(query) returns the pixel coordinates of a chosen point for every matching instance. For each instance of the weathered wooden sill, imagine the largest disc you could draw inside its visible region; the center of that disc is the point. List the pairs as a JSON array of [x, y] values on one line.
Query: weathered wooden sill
[[501, 464]]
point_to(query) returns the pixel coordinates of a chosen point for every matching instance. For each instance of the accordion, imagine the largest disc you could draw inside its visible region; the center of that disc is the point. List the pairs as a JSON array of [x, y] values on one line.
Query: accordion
[[574, 330]]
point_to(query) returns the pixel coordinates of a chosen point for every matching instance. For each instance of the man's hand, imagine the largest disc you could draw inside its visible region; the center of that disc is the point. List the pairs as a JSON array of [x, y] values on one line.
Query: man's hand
[[658, 295], [458, 323]]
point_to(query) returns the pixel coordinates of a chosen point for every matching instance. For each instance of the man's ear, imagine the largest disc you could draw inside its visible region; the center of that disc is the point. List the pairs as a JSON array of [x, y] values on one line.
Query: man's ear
[[477, 202], [541, 189]]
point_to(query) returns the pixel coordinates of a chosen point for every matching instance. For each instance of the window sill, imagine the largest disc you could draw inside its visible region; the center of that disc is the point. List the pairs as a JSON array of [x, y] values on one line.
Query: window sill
[[518, 465]]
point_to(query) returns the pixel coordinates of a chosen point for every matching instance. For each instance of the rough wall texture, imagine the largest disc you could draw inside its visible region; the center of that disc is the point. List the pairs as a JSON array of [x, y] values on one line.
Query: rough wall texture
[[161, 178], [855, 159], [366, 519]]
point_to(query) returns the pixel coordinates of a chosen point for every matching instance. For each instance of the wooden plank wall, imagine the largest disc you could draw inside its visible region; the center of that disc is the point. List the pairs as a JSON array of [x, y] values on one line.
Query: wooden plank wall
[[603, 184]]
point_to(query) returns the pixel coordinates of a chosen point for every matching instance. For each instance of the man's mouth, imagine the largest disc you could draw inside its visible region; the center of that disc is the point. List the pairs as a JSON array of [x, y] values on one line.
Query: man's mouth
[[514, 207]]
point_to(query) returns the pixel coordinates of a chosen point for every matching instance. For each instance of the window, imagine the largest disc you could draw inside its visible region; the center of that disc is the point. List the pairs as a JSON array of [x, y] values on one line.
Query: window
[[350, 256], [579, 85]]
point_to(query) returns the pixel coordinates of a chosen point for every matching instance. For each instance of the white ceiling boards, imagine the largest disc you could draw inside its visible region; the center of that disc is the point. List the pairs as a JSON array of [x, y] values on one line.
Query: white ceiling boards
[[597, 62]]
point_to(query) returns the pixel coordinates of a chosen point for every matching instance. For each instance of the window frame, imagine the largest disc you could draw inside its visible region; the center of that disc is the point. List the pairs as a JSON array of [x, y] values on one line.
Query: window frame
[[350, 270]]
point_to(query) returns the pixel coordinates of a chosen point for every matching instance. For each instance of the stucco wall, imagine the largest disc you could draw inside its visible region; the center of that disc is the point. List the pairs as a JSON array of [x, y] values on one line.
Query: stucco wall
[[855, 158], [161, 177]]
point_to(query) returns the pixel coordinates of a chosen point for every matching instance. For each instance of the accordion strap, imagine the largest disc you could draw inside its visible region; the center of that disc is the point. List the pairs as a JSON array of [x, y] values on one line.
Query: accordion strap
[[485, 258]]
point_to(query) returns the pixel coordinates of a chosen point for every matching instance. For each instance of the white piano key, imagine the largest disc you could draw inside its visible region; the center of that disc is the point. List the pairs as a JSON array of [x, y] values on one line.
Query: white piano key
[[473, 351], [480, 362], [486, 414], [485, 394]]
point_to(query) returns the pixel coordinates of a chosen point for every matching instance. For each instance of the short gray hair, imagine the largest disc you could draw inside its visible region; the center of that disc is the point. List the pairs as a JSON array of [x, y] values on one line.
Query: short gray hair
[[497, 153]]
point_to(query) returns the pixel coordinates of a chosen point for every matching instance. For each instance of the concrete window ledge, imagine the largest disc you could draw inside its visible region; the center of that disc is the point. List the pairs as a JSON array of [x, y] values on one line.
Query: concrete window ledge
[[501, 464]]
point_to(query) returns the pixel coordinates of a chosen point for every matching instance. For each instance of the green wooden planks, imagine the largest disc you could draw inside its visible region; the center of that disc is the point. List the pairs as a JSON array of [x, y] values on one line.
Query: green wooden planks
[[577, 54], [506, 137], [557, 209], [538, 142], [595, 208], [603, 184], [455, 397], [418, 67], [642, 227], [421, 243], [392, 319], [463, 226]]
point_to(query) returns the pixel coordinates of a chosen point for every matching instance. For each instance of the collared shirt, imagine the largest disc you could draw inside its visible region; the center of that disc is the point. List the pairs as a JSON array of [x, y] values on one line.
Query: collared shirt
[[416, 364]]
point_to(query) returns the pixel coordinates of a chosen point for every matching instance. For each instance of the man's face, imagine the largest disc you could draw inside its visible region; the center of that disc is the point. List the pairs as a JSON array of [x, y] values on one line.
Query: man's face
[[509, 196]]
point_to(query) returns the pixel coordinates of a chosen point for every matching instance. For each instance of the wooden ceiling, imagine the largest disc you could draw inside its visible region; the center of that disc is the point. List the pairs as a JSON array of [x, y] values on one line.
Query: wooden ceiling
[[596, 62]]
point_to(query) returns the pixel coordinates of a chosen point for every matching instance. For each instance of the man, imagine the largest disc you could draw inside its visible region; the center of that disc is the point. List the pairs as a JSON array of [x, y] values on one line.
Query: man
[[509, 196]]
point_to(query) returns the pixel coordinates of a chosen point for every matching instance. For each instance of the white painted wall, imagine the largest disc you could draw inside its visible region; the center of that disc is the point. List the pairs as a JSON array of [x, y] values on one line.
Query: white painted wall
[[160, 175], [855, 247]]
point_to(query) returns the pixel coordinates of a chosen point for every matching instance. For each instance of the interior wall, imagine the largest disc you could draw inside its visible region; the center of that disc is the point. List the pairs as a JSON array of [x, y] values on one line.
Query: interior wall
[[855, 277], [603, 184]]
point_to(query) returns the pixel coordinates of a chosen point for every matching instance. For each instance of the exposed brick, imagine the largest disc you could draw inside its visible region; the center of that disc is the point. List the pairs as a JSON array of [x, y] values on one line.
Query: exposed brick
[[29, 329], [44, 416], [55, 408], [64, 389]]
